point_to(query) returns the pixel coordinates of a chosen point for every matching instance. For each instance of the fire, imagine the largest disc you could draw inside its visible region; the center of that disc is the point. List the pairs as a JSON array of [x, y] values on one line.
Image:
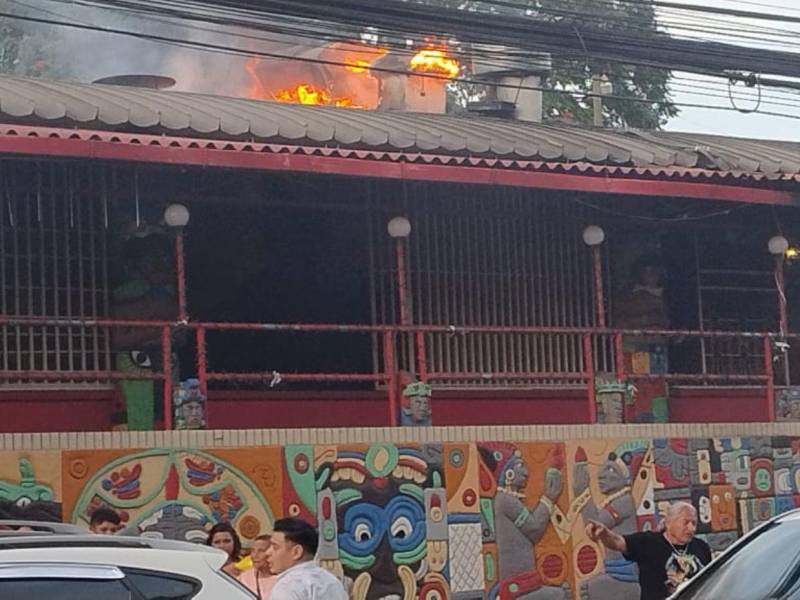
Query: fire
[[435, 61], [305, 93], [356, 65], [361, 64]]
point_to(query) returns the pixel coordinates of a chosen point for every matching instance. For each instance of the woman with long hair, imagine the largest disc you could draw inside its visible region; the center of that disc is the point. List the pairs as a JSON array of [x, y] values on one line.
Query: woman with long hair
[[224, 537]]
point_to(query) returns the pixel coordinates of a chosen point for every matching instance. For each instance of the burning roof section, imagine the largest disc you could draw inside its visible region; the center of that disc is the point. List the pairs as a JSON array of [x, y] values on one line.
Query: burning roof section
[[54, 109]]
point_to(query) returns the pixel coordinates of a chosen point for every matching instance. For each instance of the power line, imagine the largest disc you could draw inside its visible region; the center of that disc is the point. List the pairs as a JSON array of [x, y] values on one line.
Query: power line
[[249, 53], [399, 18], [239, 34]]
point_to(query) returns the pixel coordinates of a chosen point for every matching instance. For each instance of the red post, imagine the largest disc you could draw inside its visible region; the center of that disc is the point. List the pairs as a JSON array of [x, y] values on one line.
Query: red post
[[180, 268], [391, 377], [422, 361], [780, 283], [597, 268], [402, 283], [202, 369], [588, 363], [166, 349], [619, 360], [770, 387]]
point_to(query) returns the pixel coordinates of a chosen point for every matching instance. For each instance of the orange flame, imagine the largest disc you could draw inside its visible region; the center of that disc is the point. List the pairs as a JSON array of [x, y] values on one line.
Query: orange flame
[[360, 64], [305, 93], [356, 65], [435, 61]]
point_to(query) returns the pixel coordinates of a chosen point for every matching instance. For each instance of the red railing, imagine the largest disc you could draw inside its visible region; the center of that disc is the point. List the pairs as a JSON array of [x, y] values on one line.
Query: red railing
[[388, 376]]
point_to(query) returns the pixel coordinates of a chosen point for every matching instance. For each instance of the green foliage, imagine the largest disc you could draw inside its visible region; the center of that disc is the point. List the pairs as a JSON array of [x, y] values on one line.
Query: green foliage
[[629, 81], [574, 73]]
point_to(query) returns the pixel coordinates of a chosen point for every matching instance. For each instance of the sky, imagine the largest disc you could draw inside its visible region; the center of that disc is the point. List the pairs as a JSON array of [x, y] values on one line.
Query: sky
[[754, 125]]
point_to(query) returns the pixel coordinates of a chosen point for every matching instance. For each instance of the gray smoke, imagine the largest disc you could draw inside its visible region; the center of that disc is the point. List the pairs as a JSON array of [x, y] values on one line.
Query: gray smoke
[[86, 56]]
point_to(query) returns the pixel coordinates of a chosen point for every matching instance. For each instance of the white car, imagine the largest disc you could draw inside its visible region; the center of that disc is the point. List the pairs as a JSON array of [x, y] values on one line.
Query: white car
[[80, 567]]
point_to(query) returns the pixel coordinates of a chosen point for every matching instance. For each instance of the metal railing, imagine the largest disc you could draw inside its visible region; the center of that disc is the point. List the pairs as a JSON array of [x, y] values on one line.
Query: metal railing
[[593, 343]]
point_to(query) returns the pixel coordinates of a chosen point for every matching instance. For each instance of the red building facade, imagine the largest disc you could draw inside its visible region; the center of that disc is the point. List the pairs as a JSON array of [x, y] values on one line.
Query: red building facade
[[292, 305]]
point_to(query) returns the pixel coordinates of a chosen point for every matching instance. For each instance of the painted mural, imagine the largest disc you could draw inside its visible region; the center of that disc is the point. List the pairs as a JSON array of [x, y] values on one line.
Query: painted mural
[[496, 520]]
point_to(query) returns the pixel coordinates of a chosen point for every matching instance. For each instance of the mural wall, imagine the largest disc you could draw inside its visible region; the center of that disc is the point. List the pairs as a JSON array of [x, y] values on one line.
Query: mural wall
[[440, 521]]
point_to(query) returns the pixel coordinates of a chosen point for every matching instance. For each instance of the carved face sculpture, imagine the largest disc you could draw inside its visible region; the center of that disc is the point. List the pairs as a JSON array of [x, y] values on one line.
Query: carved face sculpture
[[611, 476], [736, 464], [516, 473], [723, 507], [419, 408], [192, 414]]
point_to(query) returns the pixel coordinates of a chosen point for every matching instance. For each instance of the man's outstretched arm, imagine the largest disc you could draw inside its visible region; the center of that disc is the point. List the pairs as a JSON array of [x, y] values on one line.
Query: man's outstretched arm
[[598, 532]]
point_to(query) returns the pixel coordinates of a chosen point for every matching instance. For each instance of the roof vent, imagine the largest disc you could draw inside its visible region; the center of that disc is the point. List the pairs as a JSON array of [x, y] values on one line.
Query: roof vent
[[153, 82], [513, 80]]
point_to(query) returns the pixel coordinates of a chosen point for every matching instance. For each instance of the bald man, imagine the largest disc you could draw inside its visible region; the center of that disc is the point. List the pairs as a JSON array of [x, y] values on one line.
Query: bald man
[[666, 558]]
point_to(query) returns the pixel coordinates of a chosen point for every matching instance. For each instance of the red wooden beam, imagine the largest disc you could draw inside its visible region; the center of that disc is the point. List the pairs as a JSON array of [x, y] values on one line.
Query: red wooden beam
[[387, 169]]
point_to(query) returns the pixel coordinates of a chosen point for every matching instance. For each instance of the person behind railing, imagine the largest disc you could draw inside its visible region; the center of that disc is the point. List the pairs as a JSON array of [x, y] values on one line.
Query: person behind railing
[[145, 290], [644, 307]]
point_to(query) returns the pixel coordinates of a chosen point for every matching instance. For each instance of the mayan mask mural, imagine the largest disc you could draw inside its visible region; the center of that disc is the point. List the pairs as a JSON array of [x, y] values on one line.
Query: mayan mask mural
[[391, 525], [177, 494]]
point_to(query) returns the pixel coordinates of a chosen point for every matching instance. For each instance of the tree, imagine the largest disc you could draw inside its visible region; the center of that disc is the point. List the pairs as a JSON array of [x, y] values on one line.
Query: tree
[[574, 74], [629, 81]]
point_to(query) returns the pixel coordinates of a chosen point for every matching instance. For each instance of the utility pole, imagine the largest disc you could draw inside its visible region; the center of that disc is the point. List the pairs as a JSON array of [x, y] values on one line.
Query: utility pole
[[601, 86], [597, 101]]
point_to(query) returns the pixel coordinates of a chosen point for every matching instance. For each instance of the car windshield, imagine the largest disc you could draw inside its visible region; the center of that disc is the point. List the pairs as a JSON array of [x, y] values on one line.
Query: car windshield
[[763, 565]]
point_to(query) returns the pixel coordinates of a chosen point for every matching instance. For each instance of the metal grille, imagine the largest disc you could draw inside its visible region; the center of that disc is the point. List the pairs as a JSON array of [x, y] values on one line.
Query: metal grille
[[54, 264], [488, 257]]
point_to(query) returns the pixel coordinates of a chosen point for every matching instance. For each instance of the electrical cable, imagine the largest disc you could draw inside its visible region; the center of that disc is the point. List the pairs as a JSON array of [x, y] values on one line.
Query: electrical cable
[[248, 52]]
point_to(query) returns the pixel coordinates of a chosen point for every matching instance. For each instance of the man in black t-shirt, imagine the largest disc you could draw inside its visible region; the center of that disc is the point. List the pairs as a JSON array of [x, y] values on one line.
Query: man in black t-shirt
[[666, 559]]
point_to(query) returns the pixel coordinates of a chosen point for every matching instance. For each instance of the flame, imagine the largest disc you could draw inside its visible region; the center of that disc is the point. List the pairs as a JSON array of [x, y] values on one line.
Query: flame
[[435, 61], [361, 64], [356, 65], [305, 93]]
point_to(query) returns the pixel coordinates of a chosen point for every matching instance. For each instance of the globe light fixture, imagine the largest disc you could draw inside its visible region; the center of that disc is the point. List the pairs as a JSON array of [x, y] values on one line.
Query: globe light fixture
[[778, 245], [399, 227], [593, 235], [176, 215]]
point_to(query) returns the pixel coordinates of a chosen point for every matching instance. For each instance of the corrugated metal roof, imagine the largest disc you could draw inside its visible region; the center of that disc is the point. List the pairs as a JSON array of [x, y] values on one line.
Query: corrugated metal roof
[[64, 105]]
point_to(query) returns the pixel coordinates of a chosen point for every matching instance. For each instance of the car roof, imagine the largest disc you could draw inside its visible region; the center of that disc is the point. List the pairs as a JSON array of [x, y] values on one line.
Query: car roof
[[89, 540], [131, 552], [38, 527]]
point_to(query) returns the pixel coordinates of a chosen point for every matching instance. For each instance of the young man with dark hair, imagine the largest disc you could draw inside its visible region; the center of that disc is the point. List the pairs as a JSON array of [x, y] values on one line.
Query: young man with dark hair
[[291, 557], [104, 521]]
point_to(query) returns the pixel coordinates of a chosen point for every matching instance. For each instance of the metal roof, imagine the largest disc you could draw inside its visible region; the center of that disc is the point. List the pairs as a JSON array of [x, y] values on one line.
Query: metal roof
[[463, 140]]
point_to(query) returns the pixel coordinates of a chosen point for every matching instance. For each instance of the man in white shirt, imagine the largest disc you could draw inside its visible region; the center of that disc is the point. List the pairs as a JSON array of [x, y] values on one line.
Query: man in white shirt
[[291, 557]]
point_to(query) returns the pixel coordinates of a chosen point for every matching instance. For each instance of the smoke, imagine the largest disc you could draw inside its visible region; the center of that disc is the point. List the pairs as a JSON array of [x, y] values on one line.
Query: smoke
[[85, 56]]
